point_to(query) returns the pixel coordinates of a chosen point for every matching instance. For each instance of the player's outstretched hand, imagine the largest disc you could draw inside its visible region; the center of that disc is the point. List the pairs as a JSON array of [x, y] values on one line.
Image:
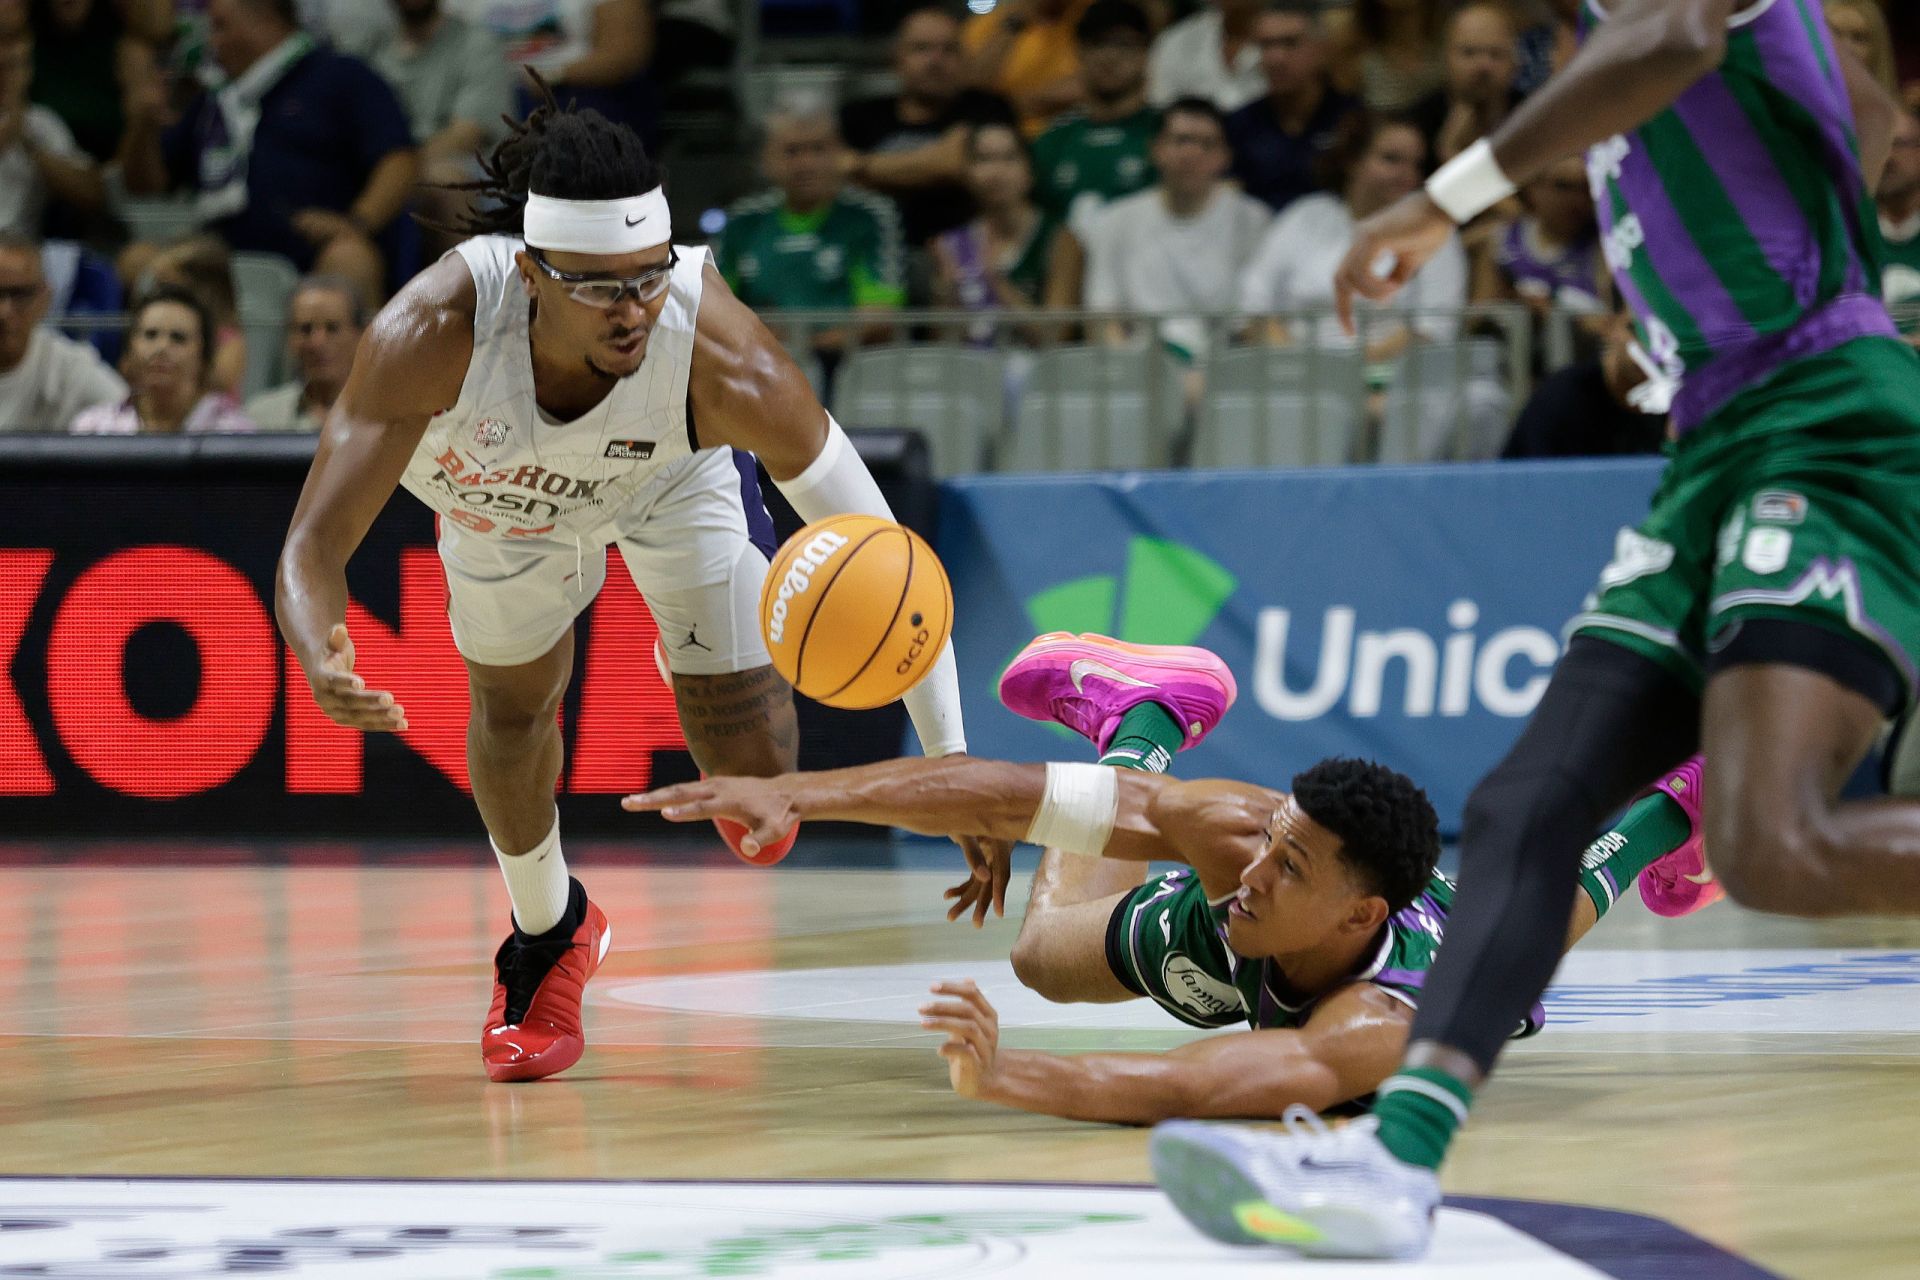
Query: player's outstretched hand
[[973, 1034], [764, 806], [989, 864], [345, 697], [1412, 230]]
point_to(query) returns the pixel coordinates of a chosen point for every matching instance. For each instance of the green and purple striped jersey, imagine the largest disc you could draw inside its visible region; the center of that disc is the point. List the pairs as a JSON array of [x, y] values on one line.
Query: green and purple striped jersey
[[1737, 222]]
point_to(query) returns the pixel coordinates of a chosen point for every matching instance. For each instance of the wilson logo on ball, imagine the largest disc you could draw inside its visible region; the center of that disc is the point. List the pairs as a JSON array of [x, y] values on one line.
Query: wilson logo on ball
[[798, 577], [856, 610]]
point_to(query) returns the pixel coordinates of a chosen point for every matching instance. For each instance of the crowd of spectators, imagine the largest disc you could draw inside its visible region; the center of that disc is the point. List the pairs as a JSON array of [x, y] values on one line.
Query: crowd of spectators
[[1116, 156], [307, 131]]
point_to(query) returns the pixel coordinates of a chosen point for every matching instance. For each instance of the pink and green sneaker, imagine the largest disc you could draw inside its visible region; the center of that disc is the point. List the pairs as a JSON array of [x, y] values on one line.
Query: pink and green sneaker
[[1088, 683], [1680, 883]]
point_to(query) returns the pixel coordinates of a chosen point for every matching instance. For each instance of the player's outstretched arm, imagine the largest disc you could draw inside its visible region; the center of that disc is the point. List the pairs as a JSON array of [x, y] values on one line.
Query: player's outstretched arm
[[409, 366], [1348, 1047], [1634, 65], [949, 796], [1217, 827]]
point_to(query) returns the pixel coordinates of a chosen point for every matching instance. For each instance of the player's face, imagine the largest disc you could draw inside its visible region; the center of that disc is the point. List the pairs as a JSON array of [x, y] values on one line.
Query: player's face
[[165, 355], [1290, 52], [23, 300], [1298, 895], [927, 57], [1480, 54], [611, 340], [322, 335], [998, 173]]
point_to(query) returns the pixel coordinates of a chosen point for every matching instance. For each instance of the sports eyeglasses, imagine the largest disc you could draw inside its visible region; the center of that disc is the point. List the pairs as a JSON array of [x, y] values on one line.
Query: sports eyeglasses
[[605, 292]]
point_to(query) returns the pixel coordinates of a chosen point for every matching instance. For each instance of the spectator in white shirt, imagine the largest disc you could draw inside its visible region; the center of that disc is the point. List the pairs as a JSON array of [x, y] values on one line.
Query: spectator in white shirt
[[1378, 160], [1178, 246], [1211, 55], [325, 318], [38, 155], [45, 377]]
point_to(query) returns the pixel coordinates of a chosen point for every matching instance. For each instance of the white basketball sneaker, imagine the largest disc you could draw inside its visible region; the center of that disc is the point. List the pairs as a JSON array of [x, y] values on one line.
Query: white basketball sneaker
[[1314, 1191]]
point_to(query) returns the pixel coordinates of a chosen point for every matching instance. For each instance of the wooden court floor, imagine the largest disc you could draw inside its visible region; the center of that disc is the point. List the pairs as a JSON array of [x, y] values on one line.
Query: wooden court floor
[[314, 1010]]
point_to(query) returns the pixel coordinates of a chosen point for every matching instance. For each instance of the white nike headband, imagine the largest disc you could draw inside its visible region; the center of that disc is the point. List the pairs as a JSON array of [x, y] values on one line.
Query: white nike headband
[[598, 226]]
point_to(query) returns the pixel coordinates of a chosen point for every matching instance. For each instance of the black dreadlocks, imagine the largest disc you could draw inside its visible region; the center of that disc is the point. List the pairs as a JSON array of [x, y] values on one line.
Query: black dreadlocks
[[557, 151]]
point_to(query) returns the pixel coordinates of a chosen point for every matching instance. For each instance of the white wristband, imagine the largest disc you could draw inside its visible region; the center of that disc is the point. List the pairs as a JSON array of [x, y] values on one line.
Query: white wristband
[[1078, 809], [1470, 184]]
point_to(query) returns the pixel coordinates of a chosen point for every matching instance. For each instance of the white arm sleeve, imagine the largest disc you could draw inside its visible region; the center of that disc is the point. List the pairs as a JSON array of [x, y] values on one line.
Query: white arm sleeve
[[838, 483]]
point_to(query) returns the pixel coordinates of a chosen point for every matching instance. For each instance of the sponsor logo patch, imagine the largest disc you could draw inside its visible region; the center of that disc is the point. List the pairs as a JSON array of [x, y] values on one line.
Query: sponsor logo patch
[[1196, 990], [1635, 556], [1768, 549], [630, 450], [489, 433], [1779, 506]]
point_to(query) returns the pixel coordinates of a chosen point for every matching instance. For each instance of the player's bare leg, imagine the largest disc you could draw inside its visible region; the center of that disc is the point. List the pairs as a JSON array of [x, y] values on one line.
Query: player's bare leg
[[741, 724], [1783, 741], [1061, 952], [513, 744], [533, 1027]]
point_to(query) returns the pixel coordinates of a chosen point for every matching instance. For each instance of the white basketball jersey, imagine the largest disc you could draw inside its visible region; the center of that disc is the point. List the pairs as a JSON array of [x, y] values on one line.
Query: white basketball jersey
[[500, 468]]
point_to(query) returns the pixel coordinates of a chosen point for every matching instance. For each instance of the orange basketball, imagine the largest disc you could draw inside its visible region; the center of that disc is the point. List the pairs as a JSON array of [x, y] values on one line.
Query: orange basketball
[[855, 611]]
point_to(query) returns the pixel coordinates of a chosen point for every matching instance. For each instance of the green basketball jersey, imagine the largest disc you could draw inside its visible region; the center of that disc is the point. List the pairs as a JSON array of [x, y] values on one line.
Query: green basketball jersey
[[1079, 165], [1737, 221], [848, 254], [1167, 942]]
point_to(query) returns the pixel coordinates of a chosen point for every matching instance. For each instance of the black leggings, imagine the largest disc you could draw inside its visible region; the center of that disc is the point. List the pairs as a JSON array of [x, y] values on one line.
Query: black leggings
[[1609, 723]]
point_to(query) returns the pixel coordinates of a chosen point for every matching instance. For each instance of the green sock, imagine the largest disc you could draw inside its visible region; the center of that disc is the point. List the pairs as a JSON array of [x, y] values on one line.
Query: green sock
[[1420, 1109], [1651, 830], [1146, 739]]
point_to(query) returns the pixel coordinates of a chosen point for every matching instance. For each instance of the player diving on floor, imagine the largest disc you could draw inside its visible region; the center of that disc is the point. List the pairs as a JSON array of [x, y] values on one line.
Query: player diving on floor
[[1309, 916]]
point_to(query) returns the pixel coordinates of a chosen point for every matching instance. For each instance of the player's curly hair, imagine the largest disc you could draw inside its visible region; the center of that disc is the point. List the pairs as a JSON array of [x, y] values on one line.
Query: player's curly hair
[[557, 151], [1389, 833]]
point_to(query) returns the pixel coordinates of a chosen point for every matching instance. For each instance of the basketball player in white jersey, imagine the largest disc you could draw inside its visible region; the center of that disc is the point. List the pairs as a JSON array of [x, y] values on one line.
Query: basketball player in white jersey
[[568, 379]]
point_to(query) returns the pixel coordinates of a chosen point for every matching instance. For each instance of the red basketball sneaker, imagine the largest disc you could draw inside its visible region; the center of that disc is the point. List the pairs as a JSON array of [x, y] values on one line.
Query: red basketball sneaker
[[533, 1029]]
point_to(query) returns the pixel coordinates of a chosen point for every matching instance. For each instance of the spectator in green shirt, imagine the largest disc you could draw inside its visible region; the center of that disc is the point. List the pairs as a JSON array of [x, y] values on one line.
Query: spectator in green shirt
[[1102, 152], [813, 243]]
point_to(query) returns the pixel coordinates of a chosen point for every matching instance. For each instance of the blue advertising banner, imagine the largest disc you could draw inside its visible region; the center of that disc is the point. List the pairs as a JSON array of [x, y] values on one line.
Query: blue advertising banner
[[1407, 614]]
